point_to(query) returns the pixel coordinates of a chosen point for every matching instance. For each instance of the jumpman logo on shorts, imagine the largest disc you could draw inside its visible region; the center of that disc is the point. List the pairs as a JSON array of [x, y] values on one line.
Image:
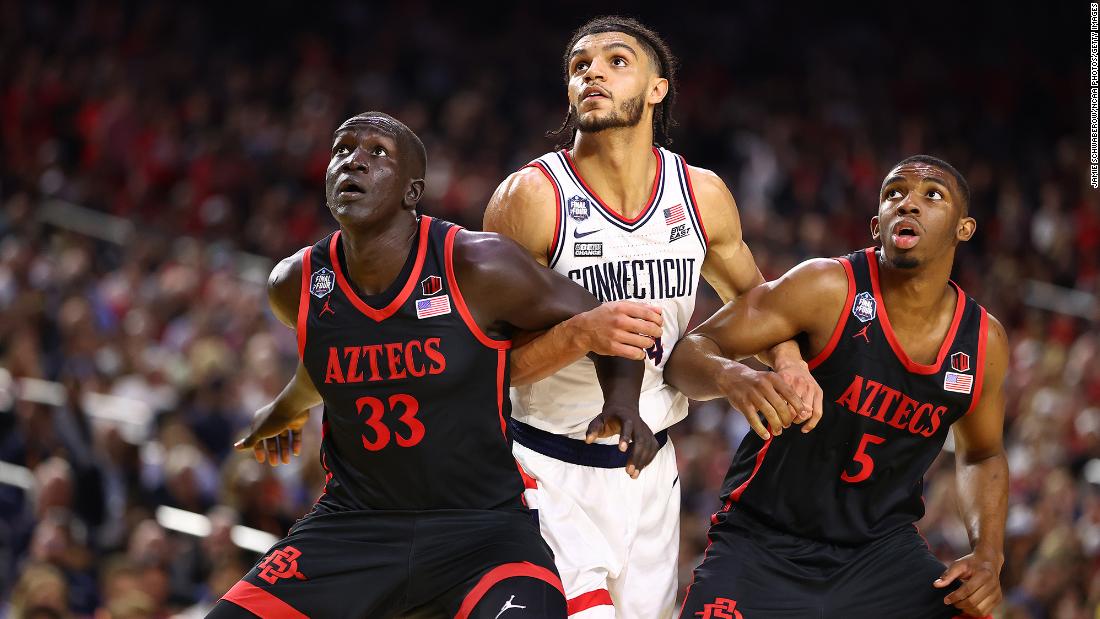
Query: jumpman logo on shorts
[[863, 332], [508, 606]]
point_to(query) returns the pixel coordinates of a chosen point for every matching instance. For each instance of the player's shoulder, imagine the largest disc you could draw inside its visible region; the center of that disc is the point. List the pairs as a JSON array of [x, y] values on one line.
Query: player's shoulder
[[707, 184], [819, 275], [284, 286], [996, 337], [485, 252], [526, 186]]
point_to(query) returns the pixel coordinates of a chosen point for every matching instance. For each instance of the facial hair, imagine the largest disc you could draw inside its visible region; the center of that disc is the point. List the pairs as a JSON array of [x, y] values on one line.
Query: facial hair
[[629, 114]]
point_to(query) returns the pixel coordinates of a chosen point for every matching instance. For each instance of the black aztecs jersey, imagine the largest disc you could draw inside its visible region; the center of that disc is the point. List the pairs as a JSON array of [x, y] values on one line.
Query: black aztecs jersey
[[860, 473], [415, 393]]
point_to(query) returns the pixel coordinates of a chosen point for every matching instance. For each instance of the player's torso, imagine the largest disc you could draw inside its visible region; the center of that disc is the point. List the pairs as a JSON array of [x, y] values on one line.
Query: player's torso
[[860, 473], [414, 400], [654, 258]]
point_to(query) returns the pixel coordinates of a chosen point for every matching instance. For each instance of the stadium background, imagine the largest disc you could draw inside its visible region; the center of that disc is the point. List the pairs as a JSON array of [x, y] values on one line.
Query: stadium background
[[156, 157]]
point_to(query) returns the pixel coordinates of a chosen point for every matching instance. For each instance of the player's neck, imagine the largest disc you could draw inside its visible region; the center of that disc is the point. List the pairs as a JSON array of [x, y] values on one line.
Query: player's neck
[[618, 164], [915, 292], [376, 254]]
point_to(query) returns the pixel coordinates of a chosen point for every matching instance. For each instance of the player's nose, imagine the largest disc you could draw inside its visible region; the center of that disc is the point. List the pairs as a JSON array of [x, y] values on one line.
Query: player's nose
[[908, 205], [356, 160]]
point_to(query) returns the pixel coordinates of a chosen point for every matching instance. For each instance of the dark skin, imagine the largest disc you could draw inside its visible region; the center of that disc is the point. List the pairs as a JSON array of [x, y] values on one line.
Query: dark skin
[[373, 183], [917, 200]]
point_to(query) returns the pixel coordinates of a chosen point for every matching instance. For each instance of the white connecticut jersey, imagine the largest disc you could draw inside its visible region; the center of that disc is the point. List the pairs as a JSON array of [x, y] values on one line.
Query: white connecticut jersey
[[654, 258]]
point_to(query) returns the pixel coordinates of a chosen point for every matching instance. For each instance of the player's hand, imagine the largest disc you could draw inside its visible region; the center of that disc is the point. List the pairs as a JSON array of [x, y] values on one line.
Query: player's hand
[[275, 435], [980, 592], [758, 394], [798, 376], [634, 435], [619, 329]]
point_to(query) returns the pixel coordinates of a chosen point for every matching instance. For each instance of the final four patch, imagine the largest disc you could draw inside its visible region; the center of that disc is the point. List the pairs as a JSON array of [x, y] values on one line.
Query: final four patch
[[578, 208], [864, 308], [322, 282]]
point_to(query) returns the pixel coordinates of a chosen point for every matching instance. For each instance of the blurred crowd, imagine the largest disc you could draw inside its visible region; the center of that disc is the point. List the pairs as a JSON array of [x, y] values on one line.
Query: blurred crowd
[[207, 128]]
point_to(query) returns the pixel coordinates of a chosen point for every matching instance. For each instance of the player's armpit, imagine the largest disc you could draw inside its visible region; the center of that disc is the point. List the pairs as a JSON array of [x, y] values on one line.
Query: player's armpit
[[524, 209], [284, 288]]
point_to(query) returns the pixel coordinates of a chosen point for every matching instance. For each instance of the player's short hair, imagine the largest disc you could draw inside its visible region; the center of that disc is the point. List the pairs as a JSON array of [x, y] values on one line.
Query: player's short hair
[[657, 51], [964, 187], [411, 144]]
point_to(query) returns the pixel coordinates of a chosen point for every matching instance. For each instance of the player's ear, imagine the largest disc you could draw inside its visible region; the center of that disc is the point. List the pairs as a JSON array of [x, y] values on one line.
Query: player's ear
[[966, 228], [874, 227], [414, 192], [658, 91]]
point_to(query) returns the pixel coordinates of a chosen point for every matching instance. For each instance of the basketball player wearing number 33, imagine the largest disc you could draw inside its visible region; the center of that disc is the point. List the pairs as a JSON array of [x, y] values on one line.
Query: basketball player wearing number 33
[[822, 524]]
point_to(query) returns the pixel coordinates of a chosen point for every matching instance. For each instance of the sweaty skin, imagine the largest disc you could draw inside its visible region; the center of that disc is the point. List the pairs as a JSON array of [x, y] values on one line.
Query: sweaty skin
[[918, 200]]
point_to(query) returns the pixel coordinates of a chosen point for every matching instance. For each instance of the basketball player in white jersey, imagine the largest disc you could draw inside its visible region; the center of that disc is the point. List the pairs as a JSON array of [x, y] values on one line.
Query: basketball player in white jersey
[[628, 221]]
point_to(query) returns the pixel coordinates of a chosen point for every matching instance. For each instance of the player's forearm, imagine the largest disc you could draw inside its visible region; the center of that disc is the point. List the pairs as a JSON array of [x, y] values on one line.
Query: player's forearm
[[546, 354], [782, 355], [298, 395], [620, 379], [983, 502], [697, 366]]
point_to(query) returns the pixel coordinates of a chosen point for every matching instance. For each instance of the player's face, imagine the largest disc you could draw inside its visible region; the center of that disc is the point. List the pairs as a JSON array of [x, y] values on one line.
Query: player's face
[[919, 216], [365, 179], [611, 82]]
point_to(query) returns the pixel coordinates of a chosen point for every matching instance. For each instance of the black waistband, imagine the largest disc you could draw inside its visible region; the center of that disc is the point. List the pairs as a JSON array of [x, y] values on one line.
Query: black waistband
[[572, 450]]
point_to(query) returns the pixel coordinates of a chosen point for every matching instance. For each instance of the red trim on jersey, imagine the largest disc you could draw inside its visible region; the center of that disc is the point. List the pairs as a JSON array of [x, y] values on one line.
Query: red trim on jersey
[[303, 303], [378, 315], [616, 215], [834, 339], [460, 302], [736, 494], [501, 572], [584, 601], [528, 482], [979, 367], [261, 603], [557, 206], [694, 202], [899, 352]]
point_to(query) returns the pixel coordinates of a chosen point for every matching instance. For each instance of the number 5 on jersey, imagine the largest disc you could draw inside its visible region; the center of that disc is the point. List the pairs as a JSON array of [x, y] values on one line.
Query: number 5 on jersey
[[861, 457], [382, 431]]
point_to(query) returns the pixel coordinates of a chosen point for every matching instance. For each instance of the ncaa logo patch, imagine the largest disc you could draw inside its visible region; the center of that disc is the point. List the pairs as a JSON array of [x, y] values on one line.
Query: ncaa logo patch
[[864, 308], [578, 208], [960, 362], [322, 282]]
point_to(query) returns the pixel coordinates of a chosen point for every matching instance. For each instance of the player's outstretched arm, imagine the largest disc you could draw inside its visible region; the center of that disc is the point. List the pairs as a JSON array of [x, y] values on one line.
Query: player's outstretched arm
[[503, 284], [806, 300], [276, 430], [981, 473], [523, 209], [730, 268]]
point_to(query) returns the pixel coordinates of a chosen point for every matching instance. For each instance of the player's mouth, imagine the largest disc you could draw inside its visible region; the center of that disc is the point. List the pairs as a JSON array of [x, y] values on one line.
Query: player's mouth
[[906, 234], [594, 93], [349, 189]]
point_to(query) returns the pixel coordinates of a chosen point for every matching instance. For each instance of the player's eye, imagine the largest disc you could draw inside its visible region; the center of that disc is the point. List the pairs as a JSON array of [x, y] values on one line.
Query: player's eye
[[580, 67], [893, 194], [934, 194], [618, 61], [340, 149], [380, 152]]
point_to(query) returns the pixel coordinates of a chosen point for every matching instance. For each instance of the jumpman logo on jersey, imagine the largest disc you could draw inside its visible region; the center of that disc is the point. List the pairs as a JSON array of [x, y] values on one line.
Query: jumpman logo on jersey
[[863, 332], [508, 606], [326, 308]]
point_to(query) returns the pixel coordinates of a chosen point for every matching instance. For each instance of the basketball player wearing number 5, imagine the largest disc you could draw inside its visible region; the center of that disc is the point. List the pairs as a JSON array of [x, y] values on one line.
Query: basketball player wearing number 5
[[822, 524]]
